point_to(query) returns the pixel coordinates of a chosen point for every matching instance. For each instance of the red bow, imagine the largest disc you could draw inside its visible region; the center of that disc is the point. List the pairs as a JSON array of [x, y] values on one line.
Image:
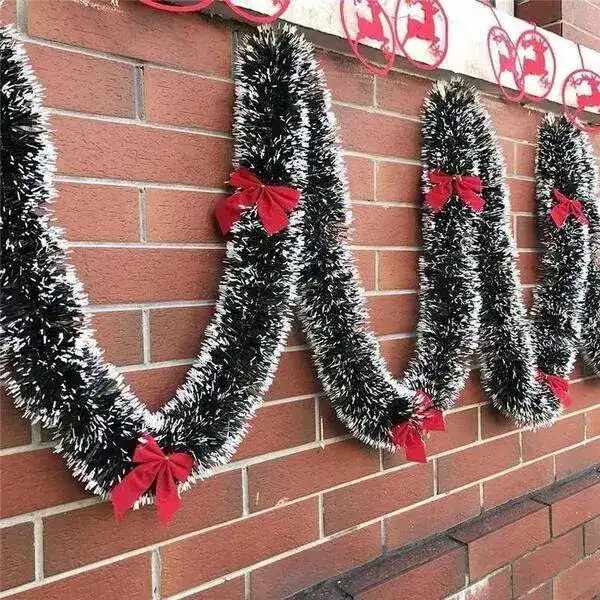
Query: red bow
[[274, 202], [410, 433], [466, 187], [558, 385], [564, 208], [153, 466]]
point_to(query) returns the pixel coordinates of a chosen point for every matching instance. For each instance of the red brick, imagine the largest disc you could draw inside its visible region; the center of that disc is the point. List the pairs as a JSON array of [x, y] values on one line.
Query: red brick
[[508, 152], [106, 582], [365, 263], [494, 423], [577, 459], [304, 473], [295, 376], [397, 182], [232, 547], [523, 480], [371, 498], [289, 575], [376, 225], [592, 423], [547, 561], [435, 570], [230, 590], [402, 93], [15, 430], [119, 275], [544, 592], [542, 12], [497, 539], [525, 160], [513, 121], [462, 467], [494, 587], [527, 232], [155, 387], [23, 475], [98, 213], [429, 519], [136, 31], [391, 314], [174, 98], [591, 535], [8, 11], [573, 502], [94, 148], [93, 85], [346, 78], [472, 392], [279, 426], [17, 561], [177, 333], [88, 535], [396, 354], [564, 432], [527, 263], [378, 134], [584, 393], [581, 581], [398, 270], [461, 429], [119, 334], [360, 172], [522, 195]]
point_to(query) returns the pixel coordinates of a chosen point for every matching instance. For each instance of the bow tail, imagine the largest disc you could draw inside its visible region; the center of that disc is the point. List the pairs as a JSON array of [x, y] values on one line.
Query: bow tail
[[272, 216], [167, 494], [128, 491], [414, 447]]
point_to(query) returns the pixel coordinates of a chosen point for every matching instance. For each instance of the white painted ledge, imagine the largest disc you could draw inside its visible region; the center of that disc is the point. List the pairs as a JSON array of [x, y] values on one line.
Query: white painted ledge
[[469, 23]]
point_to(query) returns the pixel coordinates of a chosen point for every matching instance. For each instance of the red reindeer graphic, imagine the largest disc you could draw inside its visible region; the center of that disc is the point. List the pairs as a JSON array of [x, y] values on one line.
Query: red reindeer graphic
[[585, 101], [423, 30], [536, 66], [371, 27]]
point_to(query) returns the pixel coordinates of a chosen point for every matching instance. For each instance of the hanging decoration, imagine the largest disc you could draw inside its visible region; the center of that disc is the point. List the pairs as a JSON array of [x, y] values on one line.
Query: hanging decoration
[[422, 30], [364, 20], [184, 6], [581, 92]]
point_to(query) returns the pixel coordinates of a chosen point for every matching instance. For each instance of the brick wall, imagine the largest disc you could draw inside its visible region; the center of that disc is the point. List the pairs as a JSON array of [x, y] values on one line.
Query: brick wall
[[141, 109], [576, 20]]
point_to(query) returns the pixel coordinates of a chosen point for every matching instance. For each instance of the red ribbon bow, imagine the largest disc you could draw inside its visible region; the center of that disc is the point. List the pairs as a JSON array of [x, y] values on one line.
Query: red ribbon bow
[[558, 385], [409, 434], [274, 202], [466, 187], [153, 465], [565, 207]]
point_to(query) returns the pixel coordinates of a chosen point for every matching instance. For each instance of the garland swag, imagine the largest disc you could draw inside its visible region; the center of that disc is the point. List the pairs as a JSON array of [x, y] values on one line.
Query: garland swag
[[284, 136]]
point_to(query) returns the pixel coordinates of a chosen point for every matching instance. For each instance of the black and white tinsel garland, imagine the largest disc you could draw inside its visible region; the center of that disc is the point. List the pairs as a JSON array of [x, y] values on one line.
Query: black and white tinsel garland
[[519, 353], [51, 365]]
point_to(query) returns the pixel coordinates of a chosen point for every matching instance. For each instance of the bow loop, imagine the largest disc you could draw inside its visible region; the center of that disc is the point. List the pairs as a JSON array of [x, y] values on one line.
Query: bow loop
[[566, 206], [409, 434], [273, 202], [558, 385], [467, 187], [154, 467]]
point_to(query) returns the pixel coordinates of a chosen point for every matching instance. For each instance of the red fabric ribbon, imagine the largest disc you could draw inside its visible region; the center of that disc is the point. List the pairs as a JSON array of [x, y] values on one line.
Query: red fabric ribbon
[[274, 202], [466, 187], [565, 207], [409, 434], [558, 385], [153, 466]]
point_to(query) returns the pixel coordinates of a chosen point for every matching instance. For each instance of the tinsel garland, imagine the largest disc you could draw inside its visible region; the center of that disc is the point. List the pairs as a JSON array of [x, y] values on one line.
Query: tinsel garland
[[50, 363]]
